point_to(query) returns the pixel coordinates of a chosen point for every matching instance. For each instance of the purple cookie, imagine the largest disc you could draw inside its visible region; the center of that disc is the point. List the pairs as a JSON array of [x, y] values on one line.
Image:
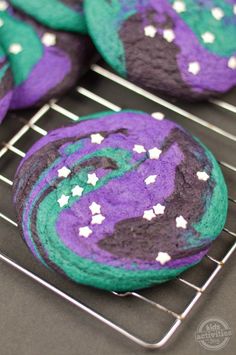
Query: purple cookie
[[186, 49], [120, 201], [6, 84], [45, 63]]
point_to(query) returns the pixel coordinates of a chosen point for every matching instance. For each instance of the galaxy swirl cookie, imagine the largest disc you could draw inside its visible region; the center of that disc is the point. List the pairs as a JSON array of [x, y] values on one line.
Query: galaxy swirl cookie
[[183, 48], [120, 201], [45, 63], [6, 83], [65, 15]]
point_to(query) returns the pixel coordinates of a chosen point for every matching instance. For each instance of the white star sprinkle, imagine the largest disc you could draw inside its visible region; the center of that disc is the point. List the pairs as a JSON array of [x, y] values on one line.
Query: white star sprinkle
[[194, 68], [95, 208], [159, 209], [202, 175], [163, 258], [179, 6], [98, 219], [139, 149], [181, 222], [96, 138], [3, 5], [232, 63], [218, 13], [15, 48], [49, 39], [150, 31], [149, 215], [92, 179], [64, 172], [154, 153], [208, 37], [150, 179], [234, 9], [1, 23], [77, 191], [85, 232], [169, 35], [158, 116], [63, 200]]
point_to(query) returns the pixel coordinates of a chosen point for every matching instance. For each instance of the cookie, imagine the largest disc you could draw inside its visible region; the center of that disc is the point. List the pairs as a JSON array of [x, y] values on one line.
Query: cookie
[[6, 83], [65, 15], [120, 201], [45, 63], [185, 49]]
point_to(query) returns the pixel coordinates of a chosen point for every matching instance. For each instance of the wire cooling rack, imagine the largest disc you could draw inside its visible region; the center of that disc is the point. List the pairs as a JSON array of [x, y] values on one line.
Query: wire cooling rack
[[165, 306]]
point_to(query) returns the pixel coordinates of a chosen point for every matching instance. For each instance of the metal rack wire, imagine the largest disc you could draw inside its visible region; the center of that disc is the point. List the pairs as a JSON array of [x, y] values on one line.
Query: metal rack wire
[[33, 125]]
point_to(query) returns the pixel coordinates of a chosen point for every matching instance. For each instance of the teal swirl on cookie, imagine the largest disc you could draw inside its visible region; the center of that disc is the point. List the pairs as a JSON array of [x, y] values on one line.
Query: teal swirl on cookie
[[120, 201], [6, 84]]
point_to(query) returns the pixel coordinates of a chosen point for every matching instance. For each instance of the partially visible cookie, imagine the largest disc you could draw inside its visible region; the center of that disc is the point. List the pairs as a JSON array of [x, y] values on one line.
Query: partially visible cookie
[[45, 63], [186, 49], [120, 201], [64, 15], [6, 84]]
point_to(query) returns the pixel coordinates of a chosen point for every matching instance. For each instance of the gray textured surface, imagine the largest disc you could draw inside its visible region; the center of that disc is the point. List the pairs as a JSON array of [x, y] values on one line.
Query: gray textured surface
[[33, 321]]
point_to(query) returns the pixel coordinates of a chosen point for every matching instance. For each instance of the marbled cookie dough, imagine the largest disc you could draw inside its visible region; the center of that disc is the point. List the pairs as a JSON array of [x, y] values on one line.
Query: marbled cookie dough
[[183, 48], [44, 63], [6, 84], [120, 201], [65, 15]]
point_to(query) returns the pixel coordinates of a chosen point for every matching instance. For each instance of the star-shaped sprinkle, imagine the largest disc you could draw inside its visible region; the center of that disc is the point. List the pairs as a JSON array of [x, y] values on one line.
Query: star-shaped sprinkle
[[139, 148], [159, 209], [92, 179], [194, 68], [85, 232], [98, 219], [163, 258], [179, 6], [63, 200], [158, 116], [1, 23], [3, 5], [154, 153], [150, 179], [218, 13], [149, 215], [95, 208], [202, 175], [234, 9], [232, 63], [63, 172], [96, 138], [169, 35], [150, 31], [15, 48], [77, 191], [208, 37], [49, 39], [181, 222]]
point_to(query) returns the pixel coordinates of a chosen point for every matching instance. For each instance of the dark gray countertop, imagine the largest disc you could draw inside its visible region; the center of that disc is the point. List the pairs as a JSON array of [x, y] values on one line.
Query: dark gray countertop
[[34, 321]]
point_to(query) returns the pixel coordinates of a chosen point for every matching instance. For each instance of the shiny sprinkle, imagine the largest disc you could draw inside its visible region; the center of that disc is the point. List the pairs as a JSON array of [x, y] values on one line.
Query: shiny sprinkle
[[139, 149], [63, 200], [77, 191], [3, 5], [149, 215], [202, 175], [64, 172], [163, 258], [85, 232], [194, 68], [208, 37], [159, 209], [92, 179], [49, 39], [181, 222], [98, 219], [95, 208], [169, 35], [15, 48], [97, 138], [150, 31], [232, 63], [179, 6], [217, 13], [154, 153], [150, 179], [158, 116]]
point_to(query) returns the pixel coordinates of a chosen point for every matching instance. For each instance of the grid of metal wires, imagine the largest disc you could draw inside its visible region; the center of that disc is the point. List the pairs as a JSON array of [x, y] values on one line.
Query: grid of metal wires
[[33, 125]]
